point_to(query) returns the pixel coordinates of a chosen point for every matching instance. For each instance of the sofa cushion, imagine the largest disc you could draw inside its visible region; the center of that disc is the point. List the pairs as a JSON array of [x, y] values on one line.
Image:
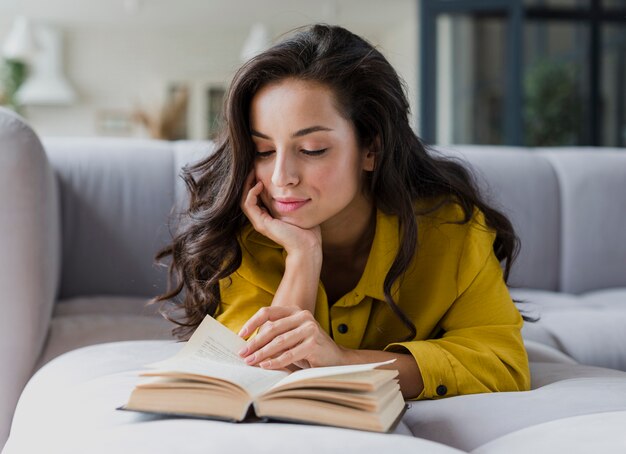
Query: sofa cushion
[[559, 391], [587, 327], [79, 322], [593, 217], [30, 256], [72, 400], [598, 432], [116, 195]]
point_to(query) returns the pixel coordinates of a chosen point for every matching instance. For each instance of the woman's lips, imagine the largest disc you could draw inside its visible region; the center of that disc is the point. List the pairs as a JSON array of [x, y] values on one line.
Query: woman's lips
[[289, 205]]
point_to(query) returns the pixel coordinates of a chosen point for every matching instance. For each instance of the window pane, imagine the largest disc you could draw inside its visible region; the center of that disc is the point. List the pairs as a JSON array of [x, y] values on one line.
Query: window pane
[[614, 4], [556, 81], [559, 3], [471, 77], [613, 86]]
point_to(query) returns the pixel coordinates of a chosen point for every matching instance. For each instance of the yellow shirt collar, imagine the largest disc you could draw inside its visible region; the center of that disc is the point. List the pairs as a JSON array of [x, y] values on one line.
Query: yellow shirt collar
[[382, 253]]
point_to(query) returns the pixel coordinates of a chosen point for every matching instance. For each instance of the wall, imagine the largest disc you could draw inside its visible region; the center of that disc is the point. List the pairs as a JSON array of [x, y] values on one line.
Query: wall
[[116, 69], [401, 47]]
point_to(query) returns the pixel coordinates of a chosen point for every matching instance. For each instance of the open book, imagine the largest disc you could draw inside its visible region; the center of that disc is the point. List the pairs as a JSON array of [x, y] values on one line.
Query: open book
[[207, 378]]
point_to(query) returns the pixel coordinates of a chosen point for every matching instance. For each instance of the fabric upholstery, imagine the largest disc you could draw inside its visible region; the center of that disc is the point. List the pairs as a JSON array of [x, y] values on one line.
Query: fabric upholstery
[[115, 201], [590, 327], [593, 216], [30, 260], [598, 432], [559, 390], [79, 322], [86, 385]]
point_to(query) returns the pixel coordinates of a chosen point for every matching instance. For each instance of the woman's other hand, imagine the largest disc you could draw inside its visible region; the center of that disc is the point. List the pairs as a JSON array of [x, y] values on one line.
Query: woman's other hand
[[287, 336]]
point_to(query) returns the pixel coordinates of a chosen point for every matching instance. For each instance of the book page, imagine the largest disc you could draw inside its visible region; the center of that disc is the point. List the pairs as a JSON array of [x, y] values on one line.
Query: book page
[[210, 340], [212, 351], [318, 372]]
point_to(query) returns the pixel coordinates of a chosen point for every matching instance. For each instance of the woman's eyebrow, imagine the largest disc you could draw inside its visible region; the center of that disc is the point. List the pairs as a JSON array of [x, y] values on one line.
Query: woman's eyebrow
[[300, 133]]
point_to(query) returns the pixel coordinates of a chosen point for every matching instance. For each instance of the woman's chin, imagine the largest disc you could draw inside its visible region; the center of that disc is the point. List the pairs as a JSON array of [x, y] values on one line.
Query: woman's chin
[[295, 221]]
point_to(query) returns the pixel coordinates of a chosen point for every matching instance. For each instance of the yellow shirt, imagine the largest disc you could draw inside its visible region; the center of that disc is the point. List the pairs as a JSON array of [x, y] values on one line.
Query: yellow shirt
[[468, 329]]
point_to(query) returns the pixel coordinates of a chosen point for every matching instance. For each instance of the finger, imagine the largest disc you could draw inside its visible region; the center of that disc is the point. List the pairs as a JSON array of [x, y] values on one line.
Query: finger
[[251, 197], [297, 353], [265, 314], [280, 342], [251, 208], [249, 182], [269, 331]]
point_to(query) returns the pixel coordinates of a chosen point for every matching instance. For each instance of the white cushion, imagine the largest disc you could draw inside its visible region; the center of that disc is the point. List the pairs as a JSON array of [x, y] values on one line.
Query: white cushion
[[588, 327], [596, 433], [71, 402], [79, 322]]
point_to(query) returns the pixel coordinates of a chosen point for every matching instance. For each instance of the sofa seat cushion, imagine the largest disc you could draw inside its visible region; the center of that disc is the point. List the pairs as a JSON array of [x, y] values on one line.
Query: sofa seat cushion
[[79, 322], [587, 327], [559, 390], [598, 432], [72, 400]]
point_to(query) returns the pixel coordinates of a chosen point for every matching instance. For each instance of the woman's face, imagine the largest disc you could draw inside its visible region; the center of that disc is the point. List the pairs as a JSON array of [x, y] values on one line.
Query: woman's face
[[308, 157]]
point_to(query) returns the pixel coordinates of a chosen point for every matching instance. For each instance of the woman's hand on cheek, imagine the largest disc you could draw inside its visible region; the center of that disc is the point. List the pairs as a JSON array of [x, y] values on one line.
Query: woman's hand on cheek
[[289, 336], [291, 237]]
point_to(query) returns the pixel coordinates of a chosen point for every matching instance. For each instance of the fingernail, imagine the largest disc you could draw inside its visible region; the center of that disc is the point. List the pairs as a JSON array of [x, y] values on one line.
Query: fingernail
[[250, 359], [243, 351], [265, 364], [243, 332]]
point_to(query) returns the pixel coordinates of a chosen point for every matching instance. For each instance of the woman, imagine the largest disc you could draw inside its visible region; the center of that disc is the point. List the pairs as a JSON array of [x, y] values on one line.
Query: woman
[[322, 221]]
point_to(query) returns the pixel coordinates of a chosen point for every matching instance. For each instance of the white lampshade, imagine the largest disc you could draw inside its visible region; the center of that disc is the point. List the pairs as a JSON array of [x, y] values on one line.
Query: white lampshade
[[257, 41], [20, 43], [46, 84]]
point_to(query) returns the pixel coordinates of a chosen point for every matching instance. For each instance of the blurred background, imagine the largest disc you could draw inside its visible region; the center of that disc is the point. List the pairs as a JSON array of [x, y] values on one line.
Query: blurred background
[[517, 72]]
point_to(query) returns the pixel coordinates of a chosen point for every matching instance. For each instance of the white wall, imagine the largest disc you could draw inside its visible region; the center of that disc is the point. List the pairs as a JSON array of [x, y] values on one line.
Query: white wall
[[120, 68], [400, 45]]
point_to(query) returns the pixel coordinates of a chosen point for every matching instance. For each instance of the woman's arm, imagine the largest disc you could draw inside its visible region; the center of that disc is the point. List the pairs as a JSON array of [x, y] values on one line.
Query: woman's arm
[[410, 376], [298, 287], [293, 336]]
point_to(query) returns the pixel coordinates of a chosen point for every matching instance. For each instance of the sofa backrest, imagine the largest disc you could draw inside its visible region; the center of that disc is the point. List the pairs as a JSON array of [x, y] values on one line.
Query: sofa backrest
[[117, 197], [592, 186], [568, 205]]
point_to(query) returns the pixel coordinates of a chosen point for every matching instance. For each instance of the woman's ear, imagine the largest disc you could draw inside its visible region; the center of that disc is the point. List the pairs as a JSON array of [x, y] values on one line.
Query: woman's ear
[[371, 153]]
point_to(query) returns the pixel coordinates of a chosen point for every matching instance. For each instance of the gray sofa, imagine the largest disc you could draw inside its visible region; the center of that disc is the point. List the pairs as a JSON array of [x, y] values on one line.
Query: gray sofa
[[80, 222]]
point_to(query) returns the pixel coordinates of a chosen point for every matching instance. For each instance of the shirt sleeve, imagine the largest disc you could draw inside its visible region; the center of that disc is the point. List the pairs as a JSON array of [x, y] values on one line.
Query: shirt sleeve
[[481, 349]]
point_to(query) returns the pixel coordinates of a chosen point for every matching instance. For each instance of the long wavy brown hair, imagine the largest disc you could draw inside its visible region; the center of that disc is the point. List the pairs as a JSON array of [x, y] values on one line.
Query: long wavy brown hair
[[372, 96]]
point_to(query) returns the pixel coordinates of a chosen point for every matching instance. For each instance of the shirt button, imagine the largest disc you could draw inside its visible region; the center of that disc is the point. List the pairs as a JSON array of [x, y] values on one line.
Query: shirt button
[[442, 390], [342, 328]]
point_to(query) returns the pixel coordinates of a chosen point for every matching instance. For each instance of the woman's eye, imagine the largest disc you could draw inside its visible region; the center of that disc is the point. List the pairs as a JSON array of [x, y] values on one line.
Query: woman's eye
[[314, 152], [264, 154]]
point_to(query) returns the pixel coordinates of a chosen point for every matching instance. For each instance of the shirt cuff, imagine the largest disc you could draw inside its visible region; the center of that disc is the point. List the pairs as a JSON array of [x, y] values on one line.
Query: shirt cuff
[[435, 367]]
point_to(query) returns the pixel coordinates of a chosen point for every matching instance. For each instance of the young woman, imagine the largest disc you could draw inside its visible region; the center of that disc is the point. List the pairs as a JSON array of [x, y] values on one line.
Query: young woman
[[322, 224]]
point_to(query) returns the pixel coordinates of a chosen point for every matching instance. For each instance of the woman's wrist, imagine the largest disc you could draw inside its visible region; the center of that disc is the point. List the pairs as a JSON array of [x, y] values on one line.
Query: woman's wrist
[[300, 281], [308, 248], [410, 376], [305, 261]]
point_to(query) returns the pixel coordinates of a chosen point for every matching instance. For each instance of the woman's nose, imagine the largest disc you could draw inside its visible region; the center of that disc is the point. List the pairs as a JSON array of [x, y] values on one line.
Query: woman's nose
[[285, 171]]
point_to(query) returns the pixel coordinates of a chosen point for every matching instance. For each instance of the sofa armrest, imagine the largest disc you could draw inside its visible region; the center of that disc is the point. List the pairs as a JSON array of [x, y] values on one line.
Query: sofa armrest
[[29, 257]]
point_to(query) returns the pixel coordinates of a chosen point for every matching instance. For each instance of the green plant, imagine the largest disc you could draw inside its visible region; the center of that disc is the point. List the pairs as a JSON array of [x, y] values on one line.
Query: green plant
[[552, 108], [12, 75]]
